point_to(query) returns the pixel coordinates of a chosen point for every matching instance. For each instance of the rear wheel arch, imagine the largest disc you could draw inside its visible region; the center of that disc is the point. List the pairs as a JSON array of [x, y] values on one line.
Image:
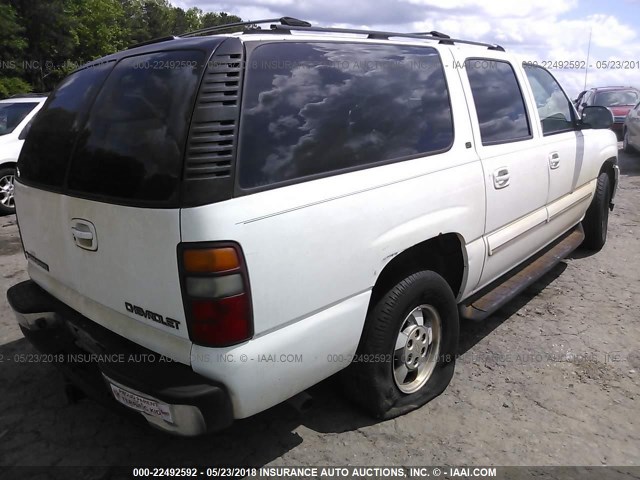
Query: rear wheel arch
[[444, 255]]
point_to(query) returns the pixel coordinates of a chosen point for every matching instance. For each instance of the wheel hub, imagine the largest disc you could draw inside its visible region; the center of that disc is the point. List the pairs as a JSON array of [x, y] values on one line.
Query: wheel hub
[[417, 346]]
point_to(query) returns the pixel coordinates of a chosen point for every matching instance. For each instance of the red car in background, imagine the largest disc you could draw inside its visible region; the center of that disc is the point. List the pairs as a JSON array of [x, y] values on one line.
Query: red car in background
[[620, 100]]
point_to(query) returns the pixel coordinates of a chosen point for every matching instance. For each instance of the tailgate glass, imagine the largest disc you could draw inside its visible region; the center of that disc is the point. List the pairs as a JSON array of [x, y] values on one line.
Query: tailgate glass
[[132, 145], [47, 149]]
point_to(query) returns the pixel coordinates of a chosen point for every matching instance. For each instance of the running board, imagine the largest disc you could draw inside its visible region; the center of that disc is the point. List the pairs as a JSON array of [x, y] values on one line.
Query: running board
[[481, 305]]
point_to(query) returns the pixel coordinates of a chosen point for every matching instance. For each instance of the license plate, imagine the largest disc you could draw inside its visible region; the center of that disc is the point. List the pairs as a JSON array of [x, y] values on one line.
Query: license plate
[[142, 404]]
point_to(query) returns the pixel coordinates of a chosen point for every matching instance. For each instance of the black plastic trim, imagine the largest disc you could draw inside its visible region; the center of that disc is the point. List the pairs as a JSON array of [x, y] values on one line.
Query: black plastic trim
[[211, 150]]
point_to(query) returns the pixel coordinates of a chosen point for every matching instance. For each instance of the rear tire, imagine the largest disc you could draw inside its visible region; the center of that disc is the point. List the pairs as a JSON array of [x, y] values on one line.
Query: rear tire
[[407, 352], [7, 203], [596, 220]]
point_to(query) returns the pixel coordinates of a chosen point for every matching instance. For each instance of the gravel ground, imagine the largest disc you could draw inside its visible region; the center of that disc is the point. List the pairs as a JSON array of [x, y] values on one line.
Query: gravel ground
[[551, 379]]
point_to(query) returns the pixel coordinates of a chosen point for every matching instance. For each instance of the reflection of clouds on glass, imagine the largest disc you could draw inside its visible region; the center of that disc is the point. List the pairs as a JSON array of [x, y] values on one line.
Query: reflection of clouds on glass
[[333, 106], [498, 101], [280, 127]]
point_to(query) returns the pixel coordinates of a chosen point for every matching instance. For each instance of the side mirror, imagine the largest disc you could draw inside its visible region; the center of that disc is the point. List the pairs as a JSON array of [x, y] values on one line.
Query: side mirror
[[597, 117]]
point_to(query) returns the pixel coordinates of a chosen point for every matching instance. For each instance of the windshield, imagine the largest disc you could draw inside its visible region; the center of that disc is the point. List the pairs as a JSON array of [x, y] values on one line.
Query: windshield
[[616, 97], [11, 114]]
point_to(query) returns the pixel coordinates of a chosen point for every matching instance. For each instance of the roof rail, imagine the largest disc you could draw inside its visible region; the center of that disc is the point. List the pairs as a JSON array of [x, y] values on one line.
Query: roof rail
[[433, 33], [289, 21], [289, 24], [152, 41], [380, 35]]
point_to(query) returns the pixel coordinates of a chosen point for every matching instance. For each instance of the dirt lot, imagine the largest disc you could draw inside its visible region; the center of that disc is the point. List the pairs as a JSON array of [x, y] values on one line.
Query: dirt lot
[[552, 379]]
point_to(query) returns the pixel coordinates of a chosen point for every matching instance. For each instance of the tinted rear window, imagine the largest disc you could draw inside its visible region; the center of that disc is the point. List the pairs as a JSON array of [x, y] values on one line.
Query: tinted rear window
[[133, 143], [320, 108], [11, 114], [498, 99], [46, 152]]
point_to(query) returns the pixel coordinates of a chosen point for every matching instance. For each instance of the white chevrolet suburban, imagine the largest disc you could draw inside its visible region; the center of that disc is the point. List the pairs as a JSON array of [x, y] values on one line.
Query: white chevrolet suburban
[[214, 223]]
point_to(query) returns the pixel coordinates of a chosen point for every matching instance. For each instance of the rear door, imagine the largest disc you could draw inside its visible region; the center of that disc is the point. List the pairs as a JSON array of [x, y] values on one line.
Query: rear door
[[98, 192]]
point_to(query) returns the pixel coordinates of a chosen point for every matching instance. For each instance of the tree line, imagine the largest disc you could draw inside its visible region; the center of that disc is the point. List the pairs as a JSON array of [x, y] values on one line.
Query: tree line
[[42, 41]]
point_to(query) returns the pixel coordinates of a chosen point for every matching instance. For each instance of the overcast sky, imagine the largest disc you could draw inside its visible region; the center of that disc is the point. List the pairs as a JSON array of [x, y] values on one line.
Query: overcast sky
[[543, 30]]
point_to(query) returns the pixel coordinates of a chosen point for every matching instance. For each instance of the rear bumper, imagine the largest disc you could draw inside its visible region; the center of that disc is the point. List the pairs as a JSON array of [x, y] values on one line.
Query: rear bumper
[[92, 357]]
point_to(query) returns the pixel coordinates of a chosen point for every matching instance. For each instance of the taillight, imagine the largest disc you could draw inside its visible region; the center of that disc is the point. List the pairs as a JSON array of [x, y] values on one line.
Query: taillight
[[216, 295]]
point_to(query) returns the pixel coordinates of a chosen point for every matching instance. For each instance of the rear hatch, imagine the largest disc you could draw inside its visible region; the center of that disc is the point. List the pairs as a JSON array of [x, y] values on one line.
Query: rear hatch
[[98, 191]]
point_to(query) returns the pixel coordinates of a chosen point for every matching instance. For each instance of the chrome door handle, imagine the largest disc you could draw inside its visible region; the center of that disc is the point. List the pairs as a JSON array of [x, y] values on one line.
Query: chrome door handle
[[501, 178], [554, 160]]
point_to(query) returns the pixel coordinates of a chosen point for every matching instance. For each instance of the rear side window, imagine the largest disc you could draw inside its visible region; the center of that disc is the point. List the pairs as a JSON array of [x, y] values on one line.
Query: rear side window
[[46, 152], [313, 109], [132, 145], [498, 100], [11, 114]]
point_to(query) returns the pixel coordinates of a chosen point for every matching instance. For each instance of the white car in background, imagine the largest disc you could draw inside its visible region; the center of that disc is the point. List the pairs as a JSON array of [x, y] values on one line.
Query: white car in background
[[15, 114]]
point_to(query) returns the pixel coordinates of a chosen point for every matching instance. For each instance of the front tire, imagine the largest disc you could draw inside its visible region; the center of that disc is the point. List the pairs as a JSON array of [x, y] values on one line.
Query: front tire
[[407, 352], [596, 220], [7, 203]]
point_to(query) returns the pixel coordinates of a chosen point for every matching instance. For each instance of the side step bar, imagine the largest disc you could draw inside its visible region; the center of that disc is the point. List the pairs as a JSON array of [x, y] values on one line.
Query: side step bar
[[483, 304]]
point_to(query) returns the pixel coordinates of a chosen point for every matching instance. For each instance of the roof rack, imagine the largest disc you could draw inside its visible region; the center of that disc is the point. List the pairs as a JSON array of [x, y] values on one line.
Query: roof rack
[[289, 24], [382, 35], [152, 41], [433, 33], [219, 28], [288, 21]]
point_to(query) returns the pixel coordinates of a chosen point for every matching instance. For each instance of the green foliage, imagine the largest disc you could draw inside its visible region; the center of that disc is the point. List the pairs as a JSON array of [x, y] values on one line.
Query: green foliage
[[11, 32], [42, 41], [160, 18], [98, 27], [12, 85], [214, 19]]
